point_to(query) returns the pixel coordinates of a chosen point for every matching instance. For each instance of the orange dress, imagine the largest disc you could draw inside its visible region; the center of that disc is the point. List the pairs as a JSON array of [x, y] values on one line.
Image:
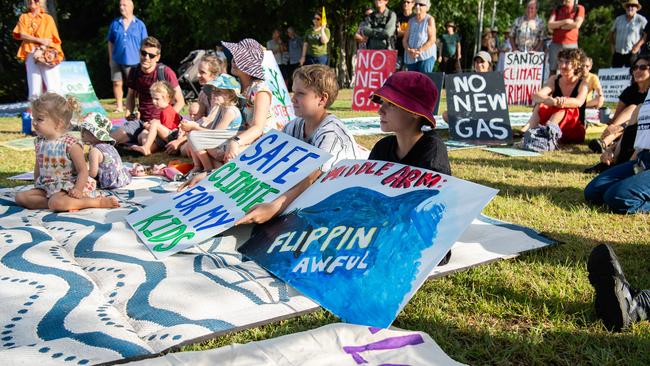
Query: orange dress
[[40, 25]]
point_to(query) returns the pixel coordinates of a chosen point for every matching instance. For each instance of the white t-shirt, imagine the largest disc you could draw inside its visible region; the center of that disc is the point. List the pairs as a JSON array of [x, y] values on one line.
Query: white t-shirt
[[331, 136], [642, 140]]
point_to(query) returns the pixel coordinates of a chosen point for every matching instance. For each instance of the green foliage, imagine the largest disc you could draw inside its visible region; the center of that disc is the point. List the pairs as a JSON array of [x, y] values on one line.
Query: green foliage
[[594, 35]]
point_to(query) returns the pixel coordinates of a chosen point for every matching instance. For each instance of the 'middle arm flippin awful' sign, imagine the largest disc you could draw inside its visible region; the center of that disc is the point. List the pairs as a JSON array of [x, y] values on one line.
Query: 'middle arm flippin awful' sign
[[271, 166], [365, 236]]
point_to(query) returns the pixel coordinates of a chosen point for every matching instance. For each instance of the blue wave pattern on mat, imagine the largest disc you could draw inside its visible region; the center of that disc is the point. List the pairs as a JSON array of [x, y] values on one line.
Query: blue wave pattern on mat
[[138, 307], [406, 225], [52, 325]]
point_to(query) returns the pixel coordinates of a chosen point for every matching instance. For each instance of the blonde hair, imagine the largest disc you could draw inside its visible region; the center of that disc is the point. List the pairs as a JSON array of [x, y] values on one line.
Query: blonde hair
[[62, 109], [321, 79], [162, 87], [215, 64]]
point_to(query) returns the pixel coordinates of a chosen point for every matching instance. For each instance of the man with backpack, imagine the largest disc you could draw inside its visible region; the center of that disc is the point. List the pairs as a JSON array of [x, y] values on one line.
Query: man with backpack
[[565, 23], [139, 82], [380, 27]]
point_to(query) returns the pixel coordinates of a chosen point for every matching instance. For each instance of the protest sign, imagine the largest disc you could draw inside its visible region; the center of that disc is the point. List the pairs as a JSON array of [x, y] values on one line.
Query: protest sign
[[372, 69], [642, 139], [437, 78], [477, 108], [281, 106], [76, 82], [522, 75], [613, 82], [363, 238], [265, 170]]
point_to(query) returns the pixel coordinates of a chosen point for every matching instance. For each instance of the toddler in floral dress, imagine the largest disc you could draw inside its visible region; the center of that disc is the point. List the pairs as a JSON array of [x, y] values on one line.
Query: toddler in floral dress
[[104, 162], [60, 175]]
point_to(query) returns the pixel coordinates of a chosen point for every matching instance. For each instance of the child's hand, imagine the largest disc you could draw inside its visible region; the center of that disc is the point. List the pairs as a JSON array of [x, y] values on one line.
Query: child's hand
[[75, 193], [232, 149], [188, 126], [146, 125]]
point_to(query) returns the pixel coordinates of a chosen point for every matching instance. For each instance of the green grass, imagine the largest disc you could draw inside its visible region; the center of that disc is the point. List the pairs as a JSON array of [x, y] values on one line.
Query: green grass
[[533, 310]]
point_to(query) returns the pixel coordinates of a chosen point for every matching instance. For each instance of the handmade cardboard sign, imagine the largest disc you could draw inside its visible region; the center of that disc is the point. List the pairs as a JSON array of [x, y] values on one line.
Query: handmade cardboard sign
[[372, 69], [477, 108], [437, 78], [363, 238], [614, 81], [642, 139], [281, 106], [266, 169], [522, 75], [75, 81]]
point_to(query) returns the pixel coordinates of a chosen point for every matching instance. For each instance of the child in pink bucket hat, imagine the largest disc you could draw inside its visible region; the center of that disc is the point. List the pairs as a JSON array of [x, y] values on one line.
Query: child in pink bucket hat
[[407, 101]]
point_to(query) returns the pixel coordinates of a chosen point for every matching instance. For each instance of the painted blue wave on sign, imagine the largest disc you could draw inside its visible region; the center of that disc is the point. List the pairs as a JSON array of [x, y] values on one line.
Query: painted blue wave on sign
[[356, 253]]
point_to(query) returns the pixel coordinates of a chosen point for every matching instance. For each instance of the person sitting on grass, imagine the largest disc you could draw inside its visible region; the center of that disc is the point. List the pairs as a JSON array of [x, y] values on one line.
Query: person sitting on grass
[[625, 188], [407, 102], [315, 89], [595, 97], [559, 106], [257, 117], [617, 304], [61, 181], [158, 132], [104, 162], [206, 141]]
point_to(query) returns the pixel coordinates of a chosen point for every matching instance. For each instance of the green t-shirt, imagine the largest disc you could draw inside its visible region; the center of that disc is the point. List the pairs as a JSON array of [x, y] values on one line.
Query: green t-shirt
[[449, 42], [316, 48]]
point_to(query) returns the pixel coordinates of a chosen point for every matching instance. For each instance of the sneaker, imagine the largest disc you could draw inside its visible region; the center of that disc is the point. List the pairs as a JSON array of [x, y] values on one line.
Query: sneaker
[[614, 302]]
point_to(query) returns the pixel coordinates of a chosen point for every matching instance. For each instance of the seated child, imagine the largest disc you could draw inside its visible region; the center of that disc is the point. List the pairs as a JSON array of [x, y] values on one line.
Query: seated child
[[104, 162], [206, 140], [158, 132], [315, 89], [193, 111], [407, 102], [60, 175]]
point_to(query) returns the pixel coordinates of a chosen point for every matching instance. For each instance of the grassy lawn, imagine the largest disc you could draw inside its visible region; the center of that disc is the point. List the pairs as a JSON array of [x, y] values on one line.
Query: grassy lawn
[[533, 310]]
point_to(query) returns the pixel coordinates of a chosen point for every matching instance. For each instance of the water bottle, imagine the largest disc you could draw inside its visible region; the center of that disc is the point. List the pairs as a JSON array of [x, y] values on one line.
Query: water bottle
[[27, 123]]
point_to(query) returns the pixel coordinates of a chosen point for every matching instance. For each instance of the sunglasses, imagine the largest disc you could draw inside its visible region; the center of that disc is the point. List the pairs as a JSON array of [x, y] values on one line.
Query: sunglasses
[[316, 18], [641, 67], [418, 4], [146, 54]]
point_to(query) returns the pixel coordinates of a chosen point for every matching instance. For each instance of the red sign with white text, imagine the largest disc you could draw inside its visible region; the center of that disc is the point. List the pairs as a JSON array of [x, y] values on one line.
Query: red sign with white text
[[372, 69]]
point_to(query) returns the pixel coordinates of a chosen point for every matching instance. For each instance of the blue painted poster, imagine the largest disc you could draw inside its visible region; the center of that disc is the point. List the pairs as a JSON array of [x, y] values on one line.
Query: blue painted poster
[[266, 169], [363, 238]]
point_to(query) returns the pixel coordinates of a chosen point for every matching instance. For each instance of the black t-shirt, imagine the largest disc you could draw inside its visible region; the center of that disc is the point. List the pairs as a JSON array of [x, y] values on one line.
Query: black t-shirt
[[428, 153], [631, 95], [401, 20]]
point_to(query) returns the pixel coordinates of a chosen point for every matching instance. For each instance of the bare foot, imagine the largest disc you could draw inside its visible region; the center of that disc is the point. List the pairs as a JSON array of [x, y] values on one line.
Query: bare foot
[[141, 149], [109, 202]]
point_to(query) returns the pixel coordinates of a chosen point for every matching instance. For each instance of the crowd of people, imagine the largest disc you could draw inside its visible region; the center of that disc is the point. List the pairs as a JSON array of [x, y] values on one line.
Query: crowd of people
[[233, 110]]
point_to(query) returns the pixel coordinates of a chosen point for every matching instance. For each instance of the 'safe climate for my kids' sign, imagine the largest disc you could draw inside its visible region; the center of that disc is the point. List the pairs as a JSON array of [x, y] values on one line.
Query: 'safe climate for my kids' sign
[[477, 108], [363, 238], [272, 165]]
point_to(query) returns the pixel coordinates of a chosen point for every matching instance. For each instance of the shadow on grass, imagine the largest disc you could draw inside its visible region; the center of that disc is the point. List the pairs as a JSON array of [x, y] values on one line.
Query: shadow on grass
[[532, 164]]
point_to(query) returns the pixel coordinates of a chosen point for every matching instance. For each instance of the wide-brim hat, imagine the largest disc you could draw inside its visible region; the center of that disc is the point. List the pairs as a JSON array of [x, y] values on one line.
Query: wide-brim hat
[[248, 55], [99, 126], [411, 91], [632, 2], [487, 30], [227, 82], [483, 55]]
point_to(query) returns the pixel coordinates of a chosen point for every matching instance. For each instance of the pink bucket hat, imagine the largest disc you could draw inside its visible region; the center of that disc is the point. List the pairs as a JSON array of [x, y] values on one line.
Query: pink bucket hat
[[412, 91], [248, 54]]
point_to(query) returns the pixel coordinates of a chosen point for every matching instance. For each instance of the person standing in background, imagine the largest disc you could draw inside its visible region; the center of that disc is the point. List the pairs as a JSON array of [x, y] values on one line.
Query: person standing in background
[[450, 52], [294, 48], [403, 18], [528, 30], [564, 23], [626, 36], [125, 34]]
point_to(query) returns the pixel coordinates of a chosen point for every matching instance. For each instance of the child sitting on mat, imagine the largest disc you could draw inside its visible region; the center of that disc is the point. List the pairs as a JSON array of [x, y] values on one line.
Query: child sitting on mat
[[158, 132], [206, 140], [104, 162], [61, 178], [407, 102]]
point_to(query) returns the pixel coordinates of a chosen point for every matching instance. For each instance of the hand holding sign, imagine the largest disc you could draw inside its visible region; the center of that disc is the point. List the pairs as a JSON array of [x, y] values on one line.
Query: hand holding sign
[[269, 167]]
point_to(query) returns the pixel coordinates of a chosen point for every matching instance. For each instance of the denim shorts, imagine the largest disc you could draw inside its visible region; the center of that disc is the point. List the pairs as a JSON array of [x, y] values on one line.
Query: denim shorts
[[133, 129]]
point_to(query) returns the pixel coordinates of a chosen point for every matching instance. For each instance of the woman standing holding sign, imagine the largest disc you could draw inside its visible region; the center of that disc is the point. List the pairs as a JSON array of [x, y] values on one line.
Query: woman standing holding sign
[[419, 41], [559, 105], [40, 48]]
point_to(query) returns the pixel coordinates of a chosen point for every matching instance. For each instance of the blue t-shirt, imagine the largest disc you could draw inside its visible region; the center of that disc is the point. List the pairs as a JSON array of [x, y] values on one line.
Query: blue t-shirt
[[126, 43]]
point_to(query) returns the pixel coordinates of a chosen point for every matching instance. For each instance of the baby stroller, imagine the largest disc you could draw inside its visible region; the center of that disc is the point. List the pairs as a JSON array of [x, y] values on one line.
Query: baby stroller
[[188, 73]]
